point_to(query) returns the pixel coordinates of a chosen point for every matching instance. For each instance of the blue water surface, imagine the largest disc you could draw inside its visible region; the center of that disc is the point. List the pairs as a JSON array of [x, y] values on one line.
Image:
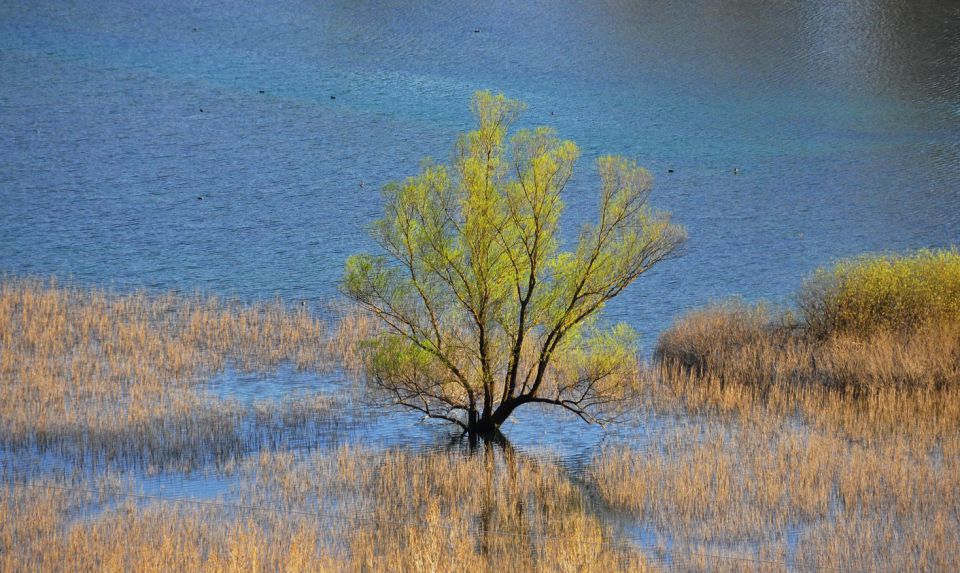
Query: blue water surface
[[287, 116]]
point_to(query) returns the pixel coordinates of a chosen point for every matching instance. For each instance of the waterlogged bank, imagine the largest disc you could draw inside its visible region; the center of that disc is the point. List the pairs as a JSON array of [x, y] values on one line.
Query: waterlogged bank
[[194, 434], [720, 499], [841, 421], [91, 376]]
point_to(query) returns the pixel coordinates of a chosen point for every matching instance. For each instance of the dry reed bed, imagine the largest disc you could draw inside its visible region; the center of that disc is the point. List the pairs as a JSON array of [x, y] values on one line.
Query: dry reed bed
[[753, 346], [734, 358], [787, 472], [86, 373], [744, 499], [767, 485], [872, 334], [836, 438], [435, 512]]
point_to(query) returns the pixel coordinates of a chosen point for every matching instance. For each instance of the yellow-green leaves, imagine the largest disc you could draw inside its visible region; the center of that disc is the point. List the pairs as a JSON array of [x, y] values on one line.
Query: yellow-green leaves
[[883, 292], [473, 289]]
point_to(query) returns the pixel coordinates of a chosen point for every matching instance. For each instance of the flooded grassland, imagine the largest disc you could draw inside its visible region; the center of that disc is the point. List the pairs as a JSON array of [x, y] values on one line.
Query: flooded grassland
[[106, 399]]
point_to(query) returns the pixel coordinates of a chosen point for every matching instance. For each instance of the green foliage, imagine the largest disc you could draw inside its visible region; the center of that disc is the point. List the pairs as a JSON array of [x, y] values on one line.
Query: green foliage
[[890, 292], [472, 281]]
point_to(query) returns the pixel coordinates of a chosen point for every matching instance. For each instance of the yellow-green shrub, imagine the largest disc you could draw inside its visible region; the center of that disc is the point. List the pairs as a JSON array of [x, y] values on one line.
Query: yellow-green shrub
[[883, 292]]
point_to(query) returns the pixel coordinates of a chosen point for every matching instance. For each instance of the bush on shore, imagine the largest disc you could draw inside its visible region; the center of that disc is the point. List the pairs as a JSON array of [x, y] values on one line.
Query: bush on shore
[[887, 292], [865, 325]]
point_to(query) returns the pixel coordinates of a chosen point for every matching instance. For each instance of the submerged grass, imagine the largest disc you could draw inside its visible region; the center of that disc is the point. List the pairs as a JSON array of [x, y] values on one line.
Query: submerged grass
[[801, 453], [725, 498], [433, 512], [782, 490], [88, 374], [834, 435]]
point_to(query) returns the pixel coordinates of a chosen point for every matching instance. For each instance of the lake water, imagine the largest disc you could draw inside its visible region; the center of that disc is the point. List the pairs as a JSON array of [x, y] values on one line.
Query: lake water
[[115, 116]]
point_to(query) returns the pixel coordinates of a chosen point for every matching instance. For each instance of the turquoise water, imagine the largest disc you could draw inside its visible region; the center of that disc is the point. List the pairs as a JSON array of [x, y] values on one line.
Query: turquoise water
[[115, 116]]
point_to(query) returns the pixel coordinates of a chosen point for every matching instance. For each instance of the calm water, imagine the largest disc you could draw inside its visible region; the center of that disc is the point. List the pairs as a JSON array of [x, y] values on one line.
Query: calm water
[[116, 116], [843, 118]]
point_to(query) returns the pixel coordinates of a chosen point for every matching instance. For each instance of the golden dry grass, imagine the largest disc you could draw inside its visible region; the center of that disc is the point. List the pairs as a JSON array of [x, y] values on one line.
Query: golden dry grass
[[722, 499], [878, 336], [848, 505], [86, 372], [434, 512], [750, 345], [735, 358], [836, 450], [789, 465]]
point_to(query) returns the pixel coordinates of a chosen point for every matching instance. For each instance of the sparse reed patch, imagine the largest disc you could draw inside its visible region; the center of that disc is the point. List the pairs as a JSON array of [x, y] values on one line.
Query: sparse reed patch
[[767, 487], [89, 374], [422, 515]]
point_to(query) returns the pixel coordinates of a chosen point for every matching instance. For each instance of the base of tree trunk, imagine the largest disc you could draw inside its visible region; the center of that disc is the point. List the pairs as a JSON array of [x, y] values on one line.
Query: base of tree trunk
[[485, 431]]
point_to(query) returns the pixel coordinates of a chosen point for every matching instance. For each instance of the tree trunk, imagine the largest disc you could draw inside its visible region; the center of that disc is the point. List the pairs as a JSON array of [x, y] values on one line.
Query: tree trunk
[[476, 441], [483, 425], [488, 423]]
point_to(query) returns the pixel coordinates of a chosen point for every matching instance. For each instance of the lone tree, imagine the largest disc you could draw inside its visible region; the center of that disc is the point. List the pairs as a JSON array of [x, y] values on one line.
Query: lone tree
[[482, 311]]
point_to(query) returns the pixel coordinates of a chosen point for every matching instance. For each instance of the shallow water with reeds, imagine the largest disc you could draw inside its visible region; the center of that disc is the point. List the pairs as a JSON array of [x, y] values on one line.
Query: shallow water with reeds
[[143, 431]]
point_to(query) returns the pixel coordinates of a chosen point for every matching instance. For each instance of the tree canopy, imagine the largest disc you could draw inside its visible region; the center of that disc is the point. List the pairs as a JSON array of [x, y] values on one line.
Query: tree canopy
[[483, 311]]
